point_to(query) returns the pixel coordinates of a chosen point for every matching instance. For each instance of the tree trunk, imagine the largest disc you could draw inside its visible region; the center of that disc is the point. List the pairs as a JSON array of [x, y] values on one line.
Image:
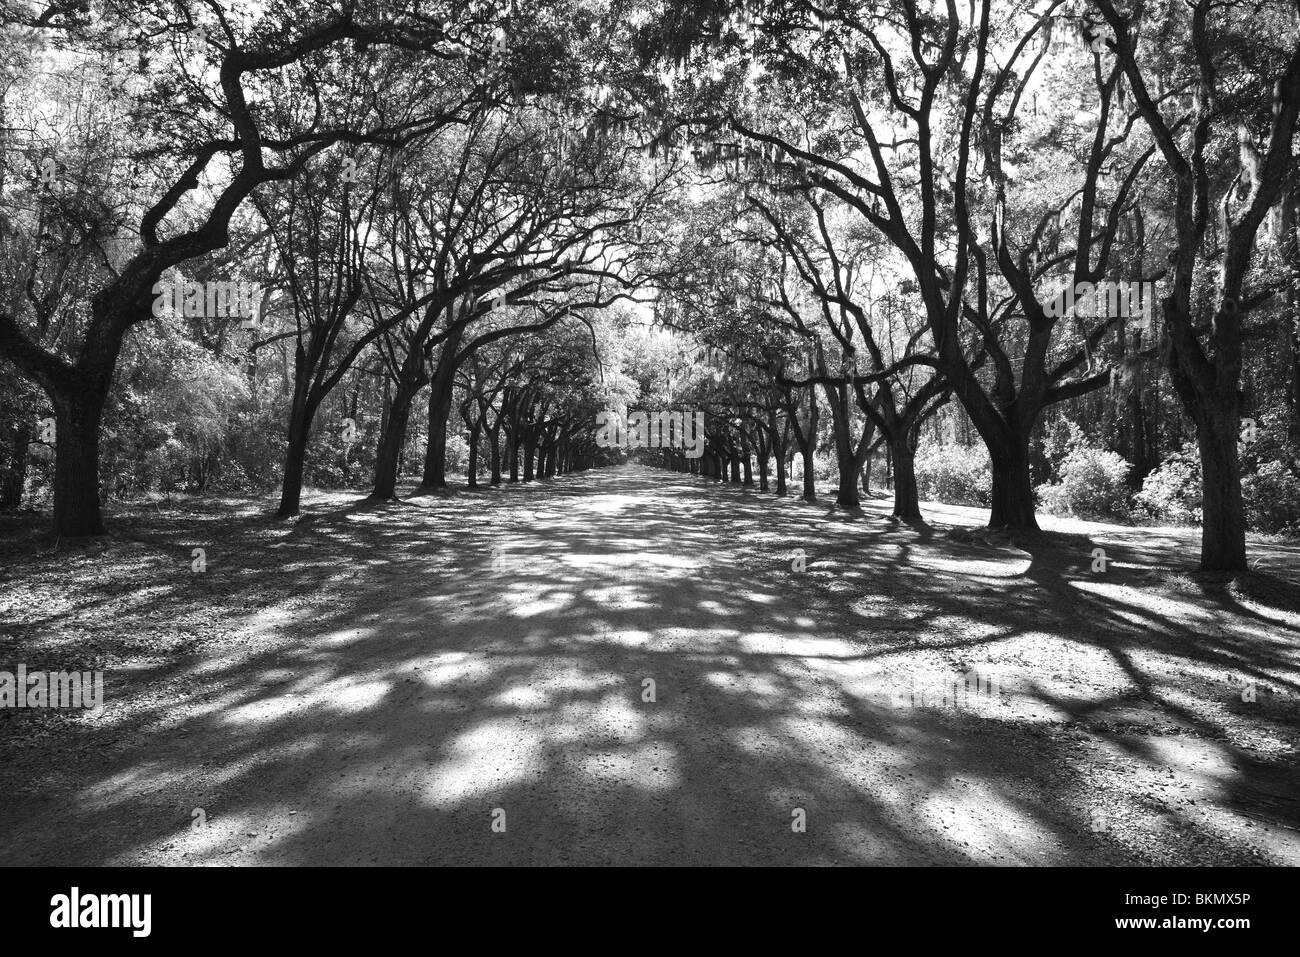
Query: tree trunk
[[441, 387], [779, 439], [435, 452], [1135, 433], [1210, 399], [294, 461], [807, 444], [846, 493], [1291, 324], [1012, 493], [1223, 521], [388, 460], [301, 414], [76, 464], [906, 504], [471, 480], [530, 449], [809, 472], [494, 450]]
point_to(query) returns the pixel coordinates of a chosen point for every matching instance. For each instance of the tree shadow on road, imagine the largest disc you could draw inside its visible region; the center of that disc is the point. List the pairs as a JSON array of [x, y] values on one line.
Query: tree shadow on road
[[370, 686]]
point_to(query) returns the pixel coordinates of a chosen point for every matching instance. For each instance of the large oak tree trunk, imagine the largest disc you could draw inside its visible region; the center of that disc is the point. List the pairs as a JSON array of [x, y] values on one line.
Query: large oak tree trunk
[[1223, 519], [807, 446], [847, 494], [435, 452], [906, 502], [441, 386], [388, 460], [1012, 493], [77, 417], [1214, 411], [809, 474]]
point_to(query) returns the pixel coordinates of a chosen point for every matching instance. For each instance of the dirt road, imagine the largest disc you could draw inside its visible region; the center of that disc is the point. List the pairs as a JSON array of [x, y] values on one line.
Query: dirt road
[[630, 666]]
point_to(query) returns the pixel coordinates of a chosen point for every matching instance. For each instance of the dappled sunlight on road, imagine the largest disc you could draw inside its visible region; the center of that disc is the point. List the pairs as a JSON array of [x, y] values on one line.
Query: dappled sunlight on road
[[627, 664]]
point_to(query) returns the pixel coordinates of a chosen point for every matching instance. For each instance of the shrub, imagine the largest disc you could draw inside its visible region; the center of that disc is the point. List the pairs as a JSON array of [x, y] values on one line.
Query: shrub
[[1172, 492], [1092, 485], [1270, 485], [1272, 498], [253, 458], [954, 474]]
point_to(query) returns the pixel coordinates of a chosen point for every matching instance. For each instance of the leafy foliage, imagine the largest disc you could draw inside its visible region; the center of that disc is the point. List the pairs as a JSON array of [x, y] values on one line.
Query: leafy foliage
[[955, 474], [1172, 492], [1093, 484]]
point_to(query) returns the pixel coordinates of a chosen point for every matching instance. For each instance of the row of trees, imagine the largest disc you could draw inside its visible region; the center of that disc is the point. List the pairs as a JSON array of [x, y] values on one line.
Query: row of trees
[[422, 191], [848, 215], [922, 182]]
